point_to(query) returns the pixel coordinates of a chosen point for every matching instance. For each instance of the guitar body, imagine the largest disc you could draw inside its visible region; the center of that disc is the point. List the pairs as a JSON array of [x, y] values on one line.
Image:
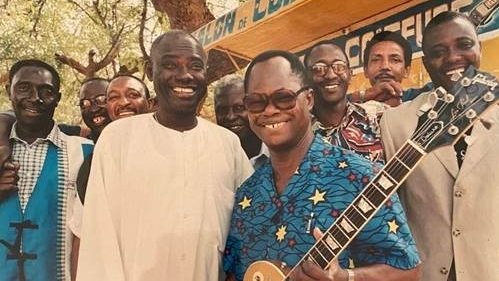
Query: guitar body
[[264, 271]]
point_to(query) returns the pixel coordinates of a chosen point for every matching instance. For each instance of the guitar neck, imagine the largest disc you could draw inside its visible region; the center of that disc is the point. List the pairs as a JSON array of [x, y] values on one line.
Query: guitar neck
[[365, 205]]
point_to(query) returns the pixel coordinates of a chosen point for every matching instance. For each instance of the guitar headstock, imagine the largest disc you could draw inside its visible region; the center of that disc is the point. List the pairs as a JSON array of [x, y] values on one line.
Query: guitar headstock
[[450, 114]]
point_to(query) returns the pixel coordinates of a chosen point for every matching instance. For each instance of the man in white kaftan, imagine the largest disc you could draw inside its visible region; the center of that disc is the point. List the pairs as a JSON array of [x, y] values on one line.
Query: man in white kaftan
[[161, 186]]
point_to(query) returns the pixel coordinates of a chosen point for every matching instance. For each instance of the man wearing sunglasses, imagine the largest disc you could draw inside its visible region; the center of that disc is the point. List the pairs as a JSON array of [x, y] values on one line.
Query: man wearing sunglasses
[[340, 121], [304, 186], [37, 192]]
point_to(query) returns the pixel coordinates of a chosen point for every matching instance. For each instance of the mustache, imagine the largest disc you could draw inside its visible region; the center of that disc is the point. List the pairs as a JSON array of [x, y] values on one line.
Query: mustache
[[384, 75]]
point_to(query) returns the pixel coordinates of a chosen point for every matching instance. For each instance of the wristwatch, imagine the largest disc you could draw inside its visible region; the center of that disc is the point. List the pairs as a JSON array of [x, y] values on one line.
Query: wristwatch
[[351, 275], [362, 96]]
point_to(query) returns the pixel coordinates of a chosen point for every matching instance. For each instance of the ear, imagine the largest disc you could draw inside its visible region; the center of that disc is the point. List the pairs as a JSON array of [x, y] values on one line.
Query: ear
[[309, 97], [148, 69], [365, 73], [7, 90], [407, 71]]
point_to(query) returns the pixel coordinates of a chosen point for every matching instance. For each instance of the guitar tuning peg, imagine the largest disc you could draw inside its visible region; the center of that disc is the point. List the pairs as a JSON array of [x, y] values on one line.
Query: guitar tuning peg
[[465, 82], [470, 114], [448, 98], [453, 130], [488, 97], [432, 114], [440, 92]]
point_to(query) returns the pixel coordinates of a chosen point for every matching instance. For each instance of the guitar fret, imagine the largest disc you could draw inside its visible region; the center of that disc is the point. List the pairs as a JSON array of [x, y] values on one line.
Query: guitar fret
[[318, 258], [325, 251], [397, 169], [401, 162], [331, 243], [384, 184], [355, 216], [339, 236], [364, 205], [374, 195]]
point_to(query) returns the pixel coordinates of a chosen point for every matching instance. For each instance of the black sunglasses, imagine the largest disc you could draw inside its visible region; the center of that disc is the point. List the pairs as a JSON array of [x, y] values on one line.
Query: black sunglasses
[[282, 99]]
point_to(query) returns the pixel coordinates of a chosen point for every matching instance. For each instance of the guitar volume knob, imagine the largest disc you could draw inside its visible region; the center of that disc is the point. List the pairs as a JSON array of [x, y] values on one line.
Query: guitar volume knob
[[449, 98]]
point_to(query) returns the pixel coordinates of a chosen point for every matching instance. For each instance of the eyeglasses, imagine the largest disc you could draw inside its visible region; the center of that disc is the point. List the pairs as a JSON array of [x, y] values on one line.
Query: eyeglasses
[[99, 101], [282, 99], [321, 69], [46, 93]]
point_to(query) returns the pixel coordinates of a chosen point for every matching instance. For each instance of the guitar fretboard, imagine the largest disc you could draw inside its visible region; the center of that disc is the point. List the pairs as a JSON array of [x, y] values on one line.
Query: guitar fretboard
[[365, 205]]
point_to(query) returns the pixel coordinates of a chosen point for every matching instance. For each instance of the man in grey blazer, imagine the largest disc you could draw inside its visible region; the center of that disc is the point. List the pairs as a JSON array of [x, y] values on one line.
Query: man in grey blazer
[[451, 197]]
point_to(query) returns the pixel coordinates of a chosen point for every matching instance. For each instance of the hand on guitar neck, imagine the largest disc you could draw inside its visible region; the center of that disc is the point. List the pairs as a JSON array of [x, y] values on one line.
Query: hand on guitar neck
[[311, 271]]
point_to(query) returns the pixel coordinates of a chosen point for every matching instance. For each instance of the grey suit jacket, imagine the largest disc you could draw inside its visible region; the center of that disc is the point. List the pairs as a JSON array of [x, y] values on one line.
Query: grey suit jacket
[[452, 213]]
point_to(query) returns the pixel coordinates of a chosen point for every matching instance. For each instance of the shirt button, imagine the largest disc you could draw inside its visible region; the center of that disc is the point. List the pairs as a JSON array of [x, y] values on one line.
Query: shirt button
[[456, 232], [458, 193], [444, 270]]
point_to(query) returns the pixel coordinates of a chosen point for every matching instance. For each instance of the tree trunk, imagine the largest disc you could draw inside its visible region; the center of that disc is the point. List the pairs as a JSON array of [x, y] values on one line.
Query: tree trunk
[[187, 15]]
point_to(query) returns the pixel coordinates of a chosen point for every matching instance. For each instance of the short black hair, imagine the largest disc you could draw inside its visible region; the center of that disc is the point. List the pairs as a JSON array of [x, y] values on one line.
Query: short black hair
[[228, 82], [320, 43], [176, 34], [146, 90], [389, 36], [56, 79], [86, 80], [297, 67], [443, 18]]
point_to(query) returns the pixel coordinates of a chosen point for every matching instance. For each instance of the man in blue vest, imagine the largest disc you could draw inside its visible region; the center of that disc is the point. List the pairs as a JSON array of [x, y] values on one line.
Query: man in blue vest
[[37, 204]]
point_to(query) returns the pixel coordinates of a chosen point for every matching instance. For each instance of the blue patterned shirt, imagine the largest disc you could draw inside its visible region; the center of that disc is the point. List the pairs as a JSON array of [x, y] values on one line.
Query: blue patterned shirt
[[269, 226]]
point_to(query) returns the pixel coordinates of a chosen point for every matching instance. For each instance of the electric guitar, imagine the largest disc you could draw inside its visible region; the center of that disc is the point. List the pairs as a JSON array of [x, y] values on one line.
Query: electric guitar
[[447, 117]]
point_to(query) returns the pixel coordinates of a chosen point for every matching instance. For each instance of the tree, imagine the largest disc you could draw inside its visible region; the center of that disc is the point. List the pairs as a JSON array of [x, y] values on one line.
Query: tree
[[86, 38]]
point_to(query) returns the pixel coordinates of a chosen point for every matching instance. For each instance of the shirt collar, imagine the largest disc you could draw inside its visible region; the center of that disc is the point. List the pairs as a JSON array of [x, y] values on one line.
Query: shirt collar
[[54, 136], [262, 156]]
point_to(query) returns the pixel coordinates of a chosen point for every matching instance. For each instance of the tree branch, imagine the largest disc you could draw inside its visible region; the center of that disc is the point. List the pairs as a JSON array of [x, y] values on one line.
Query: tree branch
[[34, 33], [186, 15], [141, 31], [84, 11]]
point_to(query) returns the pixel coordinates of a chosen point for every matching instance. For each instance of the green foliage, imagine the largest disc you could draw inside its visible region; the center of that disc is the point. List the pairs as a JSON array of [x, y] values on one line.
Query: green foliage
[[41, 28]]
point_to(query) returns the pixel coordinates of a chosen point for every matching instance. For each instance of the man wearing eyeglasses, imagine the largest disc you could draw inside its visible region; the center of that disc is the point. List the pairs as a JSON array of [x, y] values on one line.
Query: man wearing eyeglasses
[[37, 184], [93, 105], [340, 121], [304, 186]]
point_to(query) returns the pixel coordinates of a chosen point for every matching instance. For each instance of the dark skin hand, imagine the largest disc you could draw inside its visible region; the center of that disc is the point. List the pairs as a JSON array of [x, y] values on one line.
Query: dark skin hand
[[388, 92], [8, 179]]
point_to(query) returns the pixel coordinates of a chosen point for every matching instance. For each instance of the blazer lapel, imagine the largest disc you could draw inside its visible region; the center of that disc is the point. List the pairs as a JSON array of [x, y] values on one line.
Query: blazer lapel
[[484, 136], [447, 156]]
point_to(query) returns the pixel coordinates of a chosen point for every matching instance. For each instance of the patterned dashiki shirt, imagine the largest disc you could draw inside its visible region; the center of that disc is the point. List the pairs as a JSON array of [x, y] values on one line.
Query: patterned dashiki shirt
[[358, 131], [269, 226]]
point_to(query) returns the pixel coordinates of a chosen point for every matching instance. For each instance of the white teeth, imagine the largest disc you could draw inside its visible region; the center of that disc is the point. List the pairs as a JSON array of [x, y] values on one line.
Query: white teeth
[[183, 90], [330, 87], [458, 70], [126, 113], [275, 125]]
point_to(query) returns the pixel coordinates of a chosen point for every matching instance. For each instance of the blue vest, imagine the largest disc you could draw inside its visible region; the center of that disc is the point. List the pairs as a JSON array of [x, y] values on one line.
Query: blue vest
[[31, 243]]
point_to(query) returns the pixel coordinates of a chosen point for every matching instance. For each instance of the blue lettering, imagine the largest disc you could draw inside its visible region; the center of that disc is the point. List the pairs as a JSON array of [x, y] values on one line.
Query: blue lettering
[[257, 14], [274, 5]]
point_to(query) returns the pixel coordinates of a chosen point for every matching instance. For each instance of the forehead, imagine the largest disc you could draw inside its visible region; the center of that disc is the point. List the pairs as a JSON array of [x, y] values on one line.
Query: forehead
[[177, 46], [271, 75], [93, 88], [386, 47], [449, 31], [33, 74], [123, 83], [230, 94], [326, 53]]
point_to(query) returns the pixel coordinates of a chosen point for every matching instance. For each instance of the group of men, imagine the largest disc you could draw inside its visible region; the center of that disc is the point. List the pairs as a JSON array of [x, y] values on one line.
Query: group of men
[[172, 196]]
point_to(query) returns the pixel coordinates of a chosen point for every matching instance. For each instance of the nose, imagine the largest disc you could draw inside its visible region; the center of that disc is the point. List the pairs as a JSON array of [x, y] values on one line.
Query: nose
[[123, 101], [184, 74], [330, 74], [385, 64], [231, 116], [454, 55]]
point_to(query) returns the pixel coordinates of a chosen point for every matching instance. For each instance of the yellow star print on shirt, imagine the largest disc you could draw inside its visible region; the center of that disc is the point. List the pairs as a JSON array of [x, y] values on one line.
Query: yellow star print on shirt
[[393, 226], [342, 164], [318, 197], [245, 203], [281, 233]]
